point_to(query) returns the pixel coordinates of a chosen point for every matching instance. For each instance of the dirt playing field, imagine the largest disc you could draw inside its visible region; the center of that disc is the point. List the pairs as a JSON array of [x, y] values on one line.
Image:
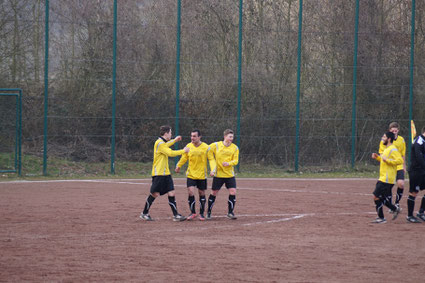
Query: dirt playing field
[[287, 231]]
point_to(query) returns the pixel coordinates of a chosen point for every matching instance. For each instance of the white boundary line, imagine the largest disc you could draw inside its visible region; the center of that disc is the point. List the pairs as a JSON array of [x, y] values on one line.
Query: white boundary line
[[131, 182], [148, 179]]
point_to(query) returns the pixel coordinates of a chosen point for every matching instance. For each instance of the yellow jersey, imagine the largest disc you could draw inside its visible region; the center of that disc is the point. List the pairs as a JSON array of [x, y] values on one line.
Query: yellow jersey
[[388, 169], [161, 152], [219, 153], [400, 144], [197, 156]]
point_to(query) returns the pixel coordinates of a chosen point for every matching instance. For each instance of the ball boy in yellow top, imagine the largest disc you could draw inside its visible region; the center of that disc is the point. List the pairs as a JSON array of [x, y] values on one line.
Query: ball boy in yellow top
[[162, 183], [223, 155], [389, 160], [196, 172], [400, 144]]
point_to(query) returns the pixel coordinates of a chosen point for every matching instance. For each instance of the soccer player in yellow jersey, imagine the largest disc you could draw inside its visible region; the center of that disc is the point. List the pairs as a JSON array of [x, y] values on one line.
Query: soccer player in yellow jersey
[[223, 155], [400, 144], [162, 183], [196, 172], [389, 159]]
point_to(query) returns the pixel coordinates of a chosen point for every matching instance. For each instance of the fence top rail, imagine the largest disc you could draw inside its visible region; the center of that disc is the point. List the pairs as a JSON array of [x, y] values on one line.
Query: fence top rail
[[10, 94], [11, 90]]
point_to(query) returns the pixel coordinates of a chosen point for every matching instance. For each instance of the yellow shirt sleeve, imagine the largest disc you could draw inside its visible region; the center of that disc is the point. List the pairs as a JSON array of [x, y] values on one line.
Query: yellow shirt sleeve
[[211, 157], [183, 159], [165, 149], [395, 158], [381, 147], [235, 159]]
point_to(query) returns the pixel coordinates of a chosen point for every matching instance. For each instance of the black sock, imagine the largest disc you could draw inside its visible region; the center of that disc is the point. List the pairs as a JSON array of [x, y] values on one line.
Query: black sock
[[410, 205], [399, 195], [211, 201], [231, 204], [148, 204], [388, 199], [379, 209], [422, 209], [387, 202], [202, 201], [173, 205], [191, 201]]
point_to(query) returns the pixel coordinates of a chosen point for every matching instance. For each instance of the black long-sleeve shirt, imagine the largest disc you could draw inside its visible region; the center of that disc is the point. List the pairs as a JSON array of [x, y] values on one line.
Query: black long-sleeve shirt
[[417, 156]]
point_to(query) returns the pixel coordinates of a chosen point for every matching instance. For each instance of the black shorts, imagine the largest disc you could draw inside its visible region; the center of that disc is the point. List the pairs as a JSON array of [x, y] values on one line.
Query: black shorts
[[400, 175], [162, 184], [200, 184], [416, 181], [382, 190], [218, 183]]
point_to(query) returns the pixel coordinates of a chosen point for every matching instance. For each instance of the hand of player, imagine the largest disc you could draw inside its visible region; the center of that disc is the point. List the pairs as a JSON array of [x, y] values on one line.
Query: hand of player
[[374, 155], [212, 173], [384, 158], [225, 164], [187, 149], [177, 170], [178, 138]]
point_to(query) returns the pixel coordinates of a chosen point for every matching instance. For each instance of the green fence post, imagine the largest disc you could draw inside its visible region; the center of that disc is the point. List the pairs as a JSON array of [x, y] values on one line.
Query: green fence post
[[20, 135], [178, 73], [353, 119], [412, 61], [297, 128], [114, 76], [16, 131], [46, 86], [238, 128]]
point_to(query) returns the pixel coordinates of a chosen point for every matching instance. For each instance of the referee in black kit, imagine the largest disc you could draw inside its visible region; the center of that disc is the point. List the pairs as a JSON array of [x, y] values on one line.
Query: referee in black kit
[[416, 178]]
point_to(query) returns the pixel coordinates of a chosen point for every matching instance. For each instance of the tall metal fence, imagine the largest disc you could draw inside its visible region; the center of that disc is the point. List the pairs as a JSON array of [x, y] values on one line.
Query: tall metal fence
[[302, 83]]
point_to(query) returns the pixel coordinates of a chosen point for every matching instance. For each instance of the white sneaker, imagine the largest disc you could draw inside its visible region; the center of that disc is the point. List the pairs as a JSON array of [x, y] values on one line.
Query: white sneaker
[[379, 220]]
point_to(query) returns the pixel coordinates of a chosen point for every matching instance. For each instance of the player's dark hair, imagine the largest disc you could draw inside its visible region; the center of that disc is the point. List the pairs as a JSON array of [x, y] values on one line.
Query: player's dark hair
[[391, 136], [196, 131], [227, 131], [164, 129]]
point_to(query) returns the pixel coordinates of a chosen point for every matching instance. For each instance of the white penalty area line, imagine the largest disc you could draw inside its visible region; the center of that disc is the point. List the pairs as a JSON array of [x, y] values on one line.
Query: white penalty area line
[[304, 191], [78, 181], [284, 217], [134, 182]]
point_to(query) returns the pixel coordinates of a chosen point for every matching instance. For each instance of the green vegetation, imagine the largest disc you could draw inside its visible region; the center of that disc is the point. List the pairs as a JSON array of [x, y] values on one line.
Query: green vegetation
[[67, 169]]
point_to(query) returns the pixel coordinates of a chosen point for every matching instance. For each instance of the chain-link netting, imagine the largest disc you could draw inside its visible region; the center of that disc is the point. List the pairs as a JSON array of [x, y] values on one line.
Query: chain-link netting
[[9, 132], [188, 77]]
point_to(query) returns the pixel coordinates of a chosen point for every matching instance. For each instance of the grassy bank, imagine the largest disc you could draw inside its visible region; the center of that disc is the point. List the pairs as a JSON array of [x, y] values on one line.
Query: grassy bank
[[32, 167]]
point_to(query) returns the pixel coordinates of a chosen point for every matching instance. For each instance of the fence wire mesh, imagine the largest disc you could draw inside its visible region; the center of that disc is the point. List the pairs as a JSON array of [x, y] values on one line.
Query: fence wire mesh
[[80, 61]]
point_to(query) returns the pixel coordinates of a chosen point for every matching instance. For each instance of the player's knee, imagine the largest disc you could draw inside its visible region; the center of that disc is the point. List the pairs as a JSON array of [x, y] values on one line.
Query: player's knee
[[413, 194], [190, 191]]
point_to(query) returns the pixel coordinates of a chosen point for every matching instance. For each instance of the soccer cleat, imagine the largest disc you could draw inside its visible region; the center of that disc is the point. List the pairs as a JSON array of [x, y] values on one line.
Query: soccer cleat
[[209, 215], [231, 216], [191, 216], [379, 220], [421, 216], [396, 212], [179, 218], [412, 219], [201, 217], [146, 217]]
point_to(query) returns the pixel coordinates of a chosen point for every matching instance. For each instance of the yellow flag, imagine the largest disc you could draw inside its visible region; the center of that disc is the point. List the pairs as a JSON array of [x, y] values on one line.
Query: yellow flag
[[413, 129]]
